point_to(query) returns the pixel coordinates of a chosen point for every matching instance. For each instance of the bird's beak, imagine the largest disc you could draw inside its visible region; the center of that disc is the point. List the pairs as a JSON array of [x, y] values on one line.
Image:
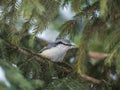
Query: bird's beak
[[73, 45]]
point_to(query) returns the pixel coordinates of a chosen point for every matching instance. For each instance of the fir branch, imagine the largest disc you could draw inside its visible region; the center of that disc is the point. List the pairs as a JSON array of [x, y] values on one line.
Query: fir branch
[[88, 9], [30, 54], [38, 58], [92, 7], [23, 51]]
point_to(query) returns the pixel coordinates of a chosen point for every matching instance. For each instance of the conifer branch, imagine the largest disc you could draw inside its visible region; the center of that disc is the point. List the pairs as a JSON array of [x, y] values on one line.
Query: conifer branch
[[23, 51], [39, 59]]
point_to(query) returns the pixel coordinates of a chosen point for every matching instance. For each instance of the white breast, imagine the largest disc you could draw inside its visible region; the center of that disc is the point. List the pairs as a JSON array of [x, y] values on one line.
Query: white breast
[[56, 54]]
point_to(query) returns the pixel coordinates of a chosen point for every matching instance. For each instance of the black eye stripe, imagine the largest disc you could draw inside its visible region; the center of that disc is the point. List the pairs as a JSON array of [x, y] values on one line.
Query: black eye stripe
[[64, 44], [67, 44]]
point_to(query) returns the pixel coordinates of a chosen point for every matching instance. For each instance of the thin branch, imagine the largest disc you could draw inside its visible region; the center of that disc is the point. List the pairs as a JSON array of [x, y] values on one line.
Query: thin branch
[[38, 58], [88, 9], [97, 55], [92, 7], [23, 51], [30, 53], [90, 79]]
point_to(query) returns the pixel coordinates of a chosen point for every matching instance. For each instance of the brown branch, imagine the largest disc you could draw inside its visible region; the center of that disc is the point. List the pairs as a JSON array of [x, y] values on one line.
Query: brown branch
[[92, 7], [25, 52], [38, 58], [90, 79], [97, 55], [32, 55]]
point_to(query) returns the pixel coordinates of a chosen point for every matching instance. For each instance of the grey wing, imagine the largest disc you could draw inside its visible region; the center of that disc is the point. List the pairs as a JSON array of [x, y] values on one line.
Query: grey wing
[[48, 47]]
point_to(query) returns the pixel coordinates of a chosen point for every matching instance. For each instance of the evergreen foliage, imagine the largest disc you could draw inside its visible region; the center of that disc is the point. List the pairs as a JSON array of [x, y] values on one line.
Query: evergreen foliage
[[94, 27]]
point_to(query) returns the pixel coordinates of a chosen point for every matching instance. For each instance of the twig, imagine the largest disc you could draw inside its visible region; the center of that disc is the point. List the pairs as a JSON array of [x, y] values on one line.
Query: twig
[[38, 58], [89, 79], [25, 52], [97, 55]]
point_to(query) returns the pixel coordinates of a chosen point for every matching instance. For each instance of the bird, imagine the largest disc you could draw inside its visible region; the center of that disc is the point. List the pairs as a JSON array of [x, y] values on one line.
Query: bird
[[57, 50]]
